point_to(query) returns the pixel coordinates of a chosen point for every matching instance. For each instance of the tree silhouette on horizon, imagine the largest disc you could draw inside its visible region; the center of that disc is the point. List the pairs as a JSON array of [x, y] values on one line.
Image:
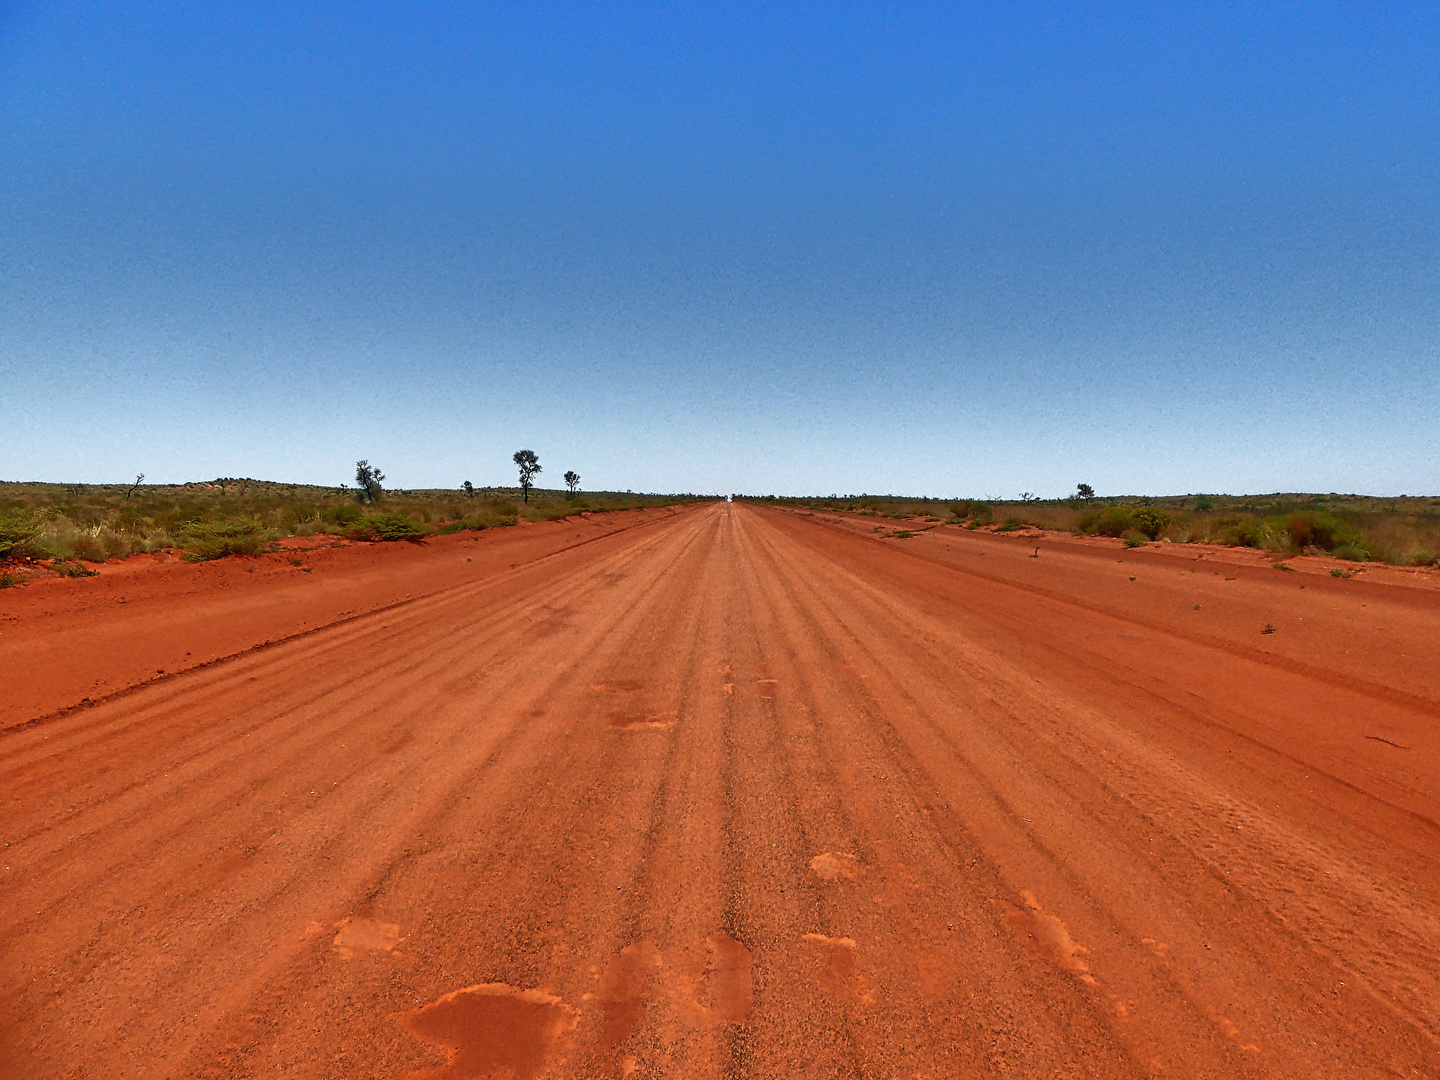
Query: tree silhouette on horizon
[[529, 465]]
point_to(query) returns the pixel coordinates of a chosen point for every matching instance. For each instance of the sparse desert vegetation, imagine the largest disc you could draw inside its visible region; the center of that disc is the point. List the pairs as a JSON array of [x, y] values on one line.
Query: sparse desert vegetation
[[1402, 531], [66, 526]]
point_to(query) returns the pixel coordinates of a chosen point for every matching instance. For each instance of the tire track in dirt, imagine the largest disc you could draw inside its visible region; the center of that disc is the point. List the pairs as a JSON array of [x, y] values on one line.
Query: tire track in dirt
[[731, 795], [374, 790], [284, 639], [1315, 673], [1399, 914]]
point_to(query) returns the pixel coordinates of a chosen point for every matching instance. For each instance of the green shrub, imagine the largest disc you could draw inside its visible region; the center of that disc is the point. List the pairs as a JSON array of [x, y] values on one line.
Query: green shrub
[[1204, 503], [1111, 521], [1353, 552], [1012, 524], [117, 545], [1421, 558], [1134, 539], [345, 514], [1315, 528], [1241, 532], [204, 541], [17, 528], [500, 521], [89, 548], [1149, 521], [71, 568], [396, 525]]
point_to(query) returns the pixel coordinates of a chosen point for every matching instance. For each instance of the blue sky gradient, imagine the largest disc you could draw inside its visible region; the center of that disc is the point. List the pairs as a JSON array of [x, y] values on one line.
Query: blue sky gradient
[[935, 249]]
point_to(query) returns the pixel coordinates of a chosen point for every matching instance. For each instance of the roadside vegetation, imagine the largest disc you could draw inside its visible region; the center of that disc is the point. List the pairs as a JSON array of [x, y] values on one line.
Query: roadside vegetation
[[1401, 531], [65, 526]]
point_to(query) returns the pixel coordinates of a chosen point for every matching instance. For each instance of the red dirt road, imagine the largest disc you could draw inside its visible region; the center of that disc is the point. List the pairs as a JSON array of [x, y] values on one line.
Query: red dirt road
[[726, 792]]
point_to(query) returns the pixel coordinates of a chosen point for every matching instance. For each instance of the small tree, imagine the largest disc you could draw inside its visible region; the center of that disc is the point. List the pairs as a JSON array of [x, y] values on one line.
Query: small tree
[[369, 479], [139, 479], [1085, 491], [469, 489], [529, 465], [572, 481]]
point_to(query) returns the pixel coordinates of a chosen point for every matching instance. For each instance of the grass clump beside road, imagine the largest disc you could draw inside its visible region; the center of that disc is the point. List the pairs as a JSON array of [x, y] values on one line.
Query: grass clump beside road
[[1402, 531], [64, 525]]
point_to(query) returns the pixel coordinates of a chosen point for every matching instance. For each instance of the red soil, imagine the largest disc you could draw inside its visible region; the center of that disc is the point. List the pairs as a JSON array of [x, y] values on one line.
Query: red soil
[[722, 790]]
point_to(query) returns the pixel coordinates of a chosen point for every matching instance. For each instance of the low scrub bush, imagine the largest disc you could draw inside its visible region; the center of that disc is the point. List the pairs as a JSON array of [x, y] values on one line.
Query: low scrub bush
[[17, 528], [88, 547], [554, 512], [204, 541], [477, 522], [117, 545], [1352, 552], [1110, 521], [1119, 520], [345, 515], [1149, 521], [1241, 532], [1422, 558], [1315, 529], [1134, 539], [71, 568], [396, 525]]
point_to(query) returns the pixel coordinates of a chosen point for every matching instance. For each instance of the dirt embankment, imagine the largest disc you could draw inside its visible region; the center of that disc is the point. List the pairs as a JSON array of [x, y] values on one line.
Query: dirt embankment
[[64, 641], [734, 792]]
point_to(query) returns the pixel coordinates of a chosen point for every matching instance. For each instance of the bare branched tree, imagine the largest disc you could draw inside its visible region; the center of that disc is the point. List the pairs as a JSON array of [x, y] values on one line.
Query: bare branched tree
[[529, 465], [369, 478], [139, 479], [572, 481]]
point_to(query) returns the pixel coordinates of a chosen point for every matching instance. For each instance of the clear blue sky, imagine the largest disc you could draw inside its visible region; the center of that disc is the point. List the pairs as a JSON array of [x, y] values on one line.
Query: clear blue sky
[[936, 249]]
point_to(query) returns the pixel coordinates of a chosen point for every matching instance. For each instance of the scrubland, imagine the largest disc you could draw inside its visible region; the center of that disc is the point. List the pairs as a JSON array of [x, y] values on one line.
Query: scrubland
[[69, 525], [1403, 531]]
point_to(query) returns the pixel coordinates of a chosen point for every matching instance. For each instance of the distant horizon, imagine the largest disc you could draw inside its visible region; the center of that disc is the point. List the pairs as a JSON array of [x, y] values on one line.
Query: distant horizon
[[1099, 496]]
